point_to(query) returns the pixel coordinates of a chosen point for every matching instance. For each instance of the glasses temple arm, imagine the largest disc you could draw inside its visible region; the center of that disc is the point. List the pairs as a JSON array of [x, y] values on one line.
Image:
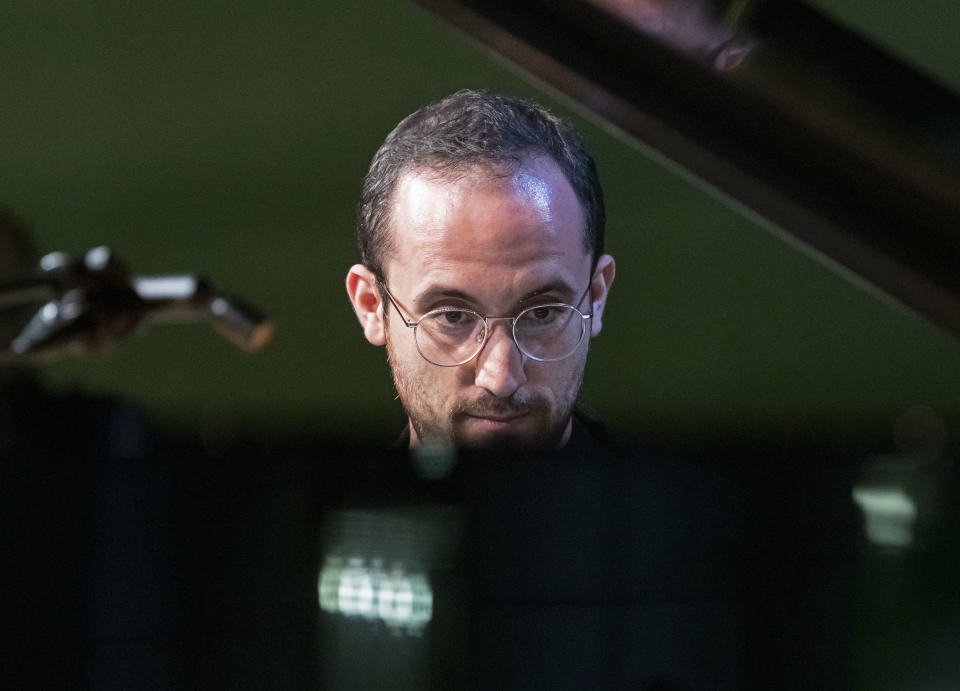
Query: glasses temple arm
[[393, 302]]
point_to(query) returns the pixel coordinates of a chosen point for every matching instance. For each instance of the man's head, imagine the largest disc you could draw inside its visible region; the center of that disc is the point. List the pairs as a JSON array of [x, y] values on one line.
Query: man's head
[[478, 206]]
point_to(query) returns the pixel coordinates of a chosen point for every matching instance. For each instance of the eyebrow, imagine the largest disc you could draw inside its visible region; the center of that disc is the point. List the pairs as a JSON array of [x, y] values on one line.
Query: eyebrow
[[557, 286], [435, 293]]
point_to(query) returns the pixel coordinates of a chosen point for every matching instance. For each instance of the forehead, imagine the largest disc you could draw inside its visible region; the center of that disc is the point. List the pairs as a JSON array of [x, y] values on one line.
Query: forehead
[[488, 232]]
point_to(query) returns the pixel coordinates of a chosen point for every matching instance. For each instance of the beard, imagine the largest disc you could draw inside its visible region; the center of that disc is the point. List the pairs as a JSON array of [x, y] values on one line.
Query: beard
[[445, 424]]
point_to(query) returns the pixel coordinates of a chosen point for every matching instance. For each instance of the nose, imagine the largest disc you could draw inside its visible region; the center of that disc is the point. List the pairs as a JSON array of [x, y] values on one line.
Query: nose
[[500, 363]]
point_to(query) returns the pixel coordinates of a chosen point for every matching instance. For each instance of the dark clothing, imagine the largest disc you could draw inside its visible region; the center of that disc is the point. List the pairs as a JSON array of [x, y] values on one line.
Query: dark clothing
[[606, 566]]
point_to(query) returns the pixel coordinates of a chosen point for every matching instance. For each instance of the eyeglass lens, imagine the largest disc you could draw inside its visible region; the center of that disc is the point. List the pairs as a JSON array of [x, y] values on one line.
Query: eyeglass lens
[[545, 332]]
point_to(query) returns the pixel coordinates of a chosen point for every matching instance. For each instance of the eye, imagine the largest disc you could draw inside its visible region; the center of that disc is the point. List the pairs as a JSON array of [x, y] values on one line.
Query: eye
[[450, 322], [541, 316], [541, 313]]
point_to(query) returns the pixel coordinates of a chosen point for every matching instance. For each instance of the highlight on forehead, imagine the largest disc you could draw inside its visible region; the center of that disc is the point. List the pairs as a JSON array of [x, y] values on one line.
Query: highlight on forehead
[[535, 189], [524, 172], [525, 175], [480, 174]]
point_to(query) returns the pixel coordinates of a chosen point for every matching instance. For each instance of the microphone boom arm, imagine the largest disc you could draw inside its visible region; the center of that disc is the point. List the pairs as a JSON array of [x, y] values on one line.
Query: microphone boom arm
[[91, 302]]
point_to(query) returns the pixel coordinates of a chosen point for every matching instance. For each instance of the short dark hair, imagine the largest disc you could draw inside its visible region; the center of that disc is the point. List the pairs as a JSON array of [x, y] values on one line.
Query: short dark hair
[[474, 128]]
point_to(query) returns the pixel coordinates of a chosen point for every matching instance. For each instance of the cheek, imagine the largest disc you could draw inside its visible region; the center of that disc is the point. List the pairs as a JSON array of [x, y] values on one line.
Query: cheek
[[462, 376], [559, 382], [402, 346], [447, 386], [404, 362], [439, 385], [556, 376]]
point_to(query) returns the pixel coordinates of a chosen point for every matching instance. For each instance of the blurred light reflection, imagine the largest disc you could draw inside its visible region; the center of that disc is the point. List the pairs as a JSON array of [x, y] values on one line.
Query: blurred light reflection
[[889, 515], [400, 598]]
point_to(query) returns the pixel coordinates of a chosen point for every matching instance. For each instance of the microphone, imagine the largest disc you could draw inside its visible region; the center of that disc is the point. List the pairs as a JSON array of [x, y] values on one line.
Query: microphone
[[92, 302], [185, 297]]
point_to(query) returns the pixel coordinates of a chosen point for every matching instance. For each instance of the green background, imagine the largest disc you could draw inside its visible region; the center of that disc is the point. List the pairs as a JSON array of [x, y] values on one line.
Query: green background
[[229, 139]]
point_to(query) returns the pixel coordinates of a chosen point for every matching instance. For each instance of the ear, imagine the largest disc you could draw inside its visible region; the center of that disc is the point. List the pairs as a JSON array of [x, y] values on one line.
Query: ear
[[366, 301], [599, 289]]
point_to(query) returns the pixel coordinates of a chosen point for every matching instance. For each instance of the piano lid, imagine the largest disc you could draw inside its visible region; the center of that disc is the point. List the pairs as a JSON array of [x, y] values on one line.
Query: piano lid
[[843, 147]]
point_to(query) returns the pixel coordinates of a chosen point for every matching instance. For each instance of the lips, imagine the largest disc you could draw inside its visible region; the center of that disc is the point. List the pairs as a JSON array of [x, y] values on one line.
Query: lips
[[498, 418], [494, 414], [497, 421]]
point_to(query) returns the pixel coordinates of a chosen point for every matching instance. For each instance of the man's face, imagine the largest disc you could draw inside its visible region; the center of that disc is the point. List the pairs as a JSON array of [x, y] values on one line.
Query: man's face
[[494, 244]]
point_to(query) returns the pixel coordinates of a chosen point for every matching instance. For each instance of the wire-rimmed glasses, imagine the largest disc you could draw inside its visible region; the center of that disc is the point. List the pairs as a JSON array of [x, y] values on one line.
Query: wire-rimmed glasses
[[451, 336]]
